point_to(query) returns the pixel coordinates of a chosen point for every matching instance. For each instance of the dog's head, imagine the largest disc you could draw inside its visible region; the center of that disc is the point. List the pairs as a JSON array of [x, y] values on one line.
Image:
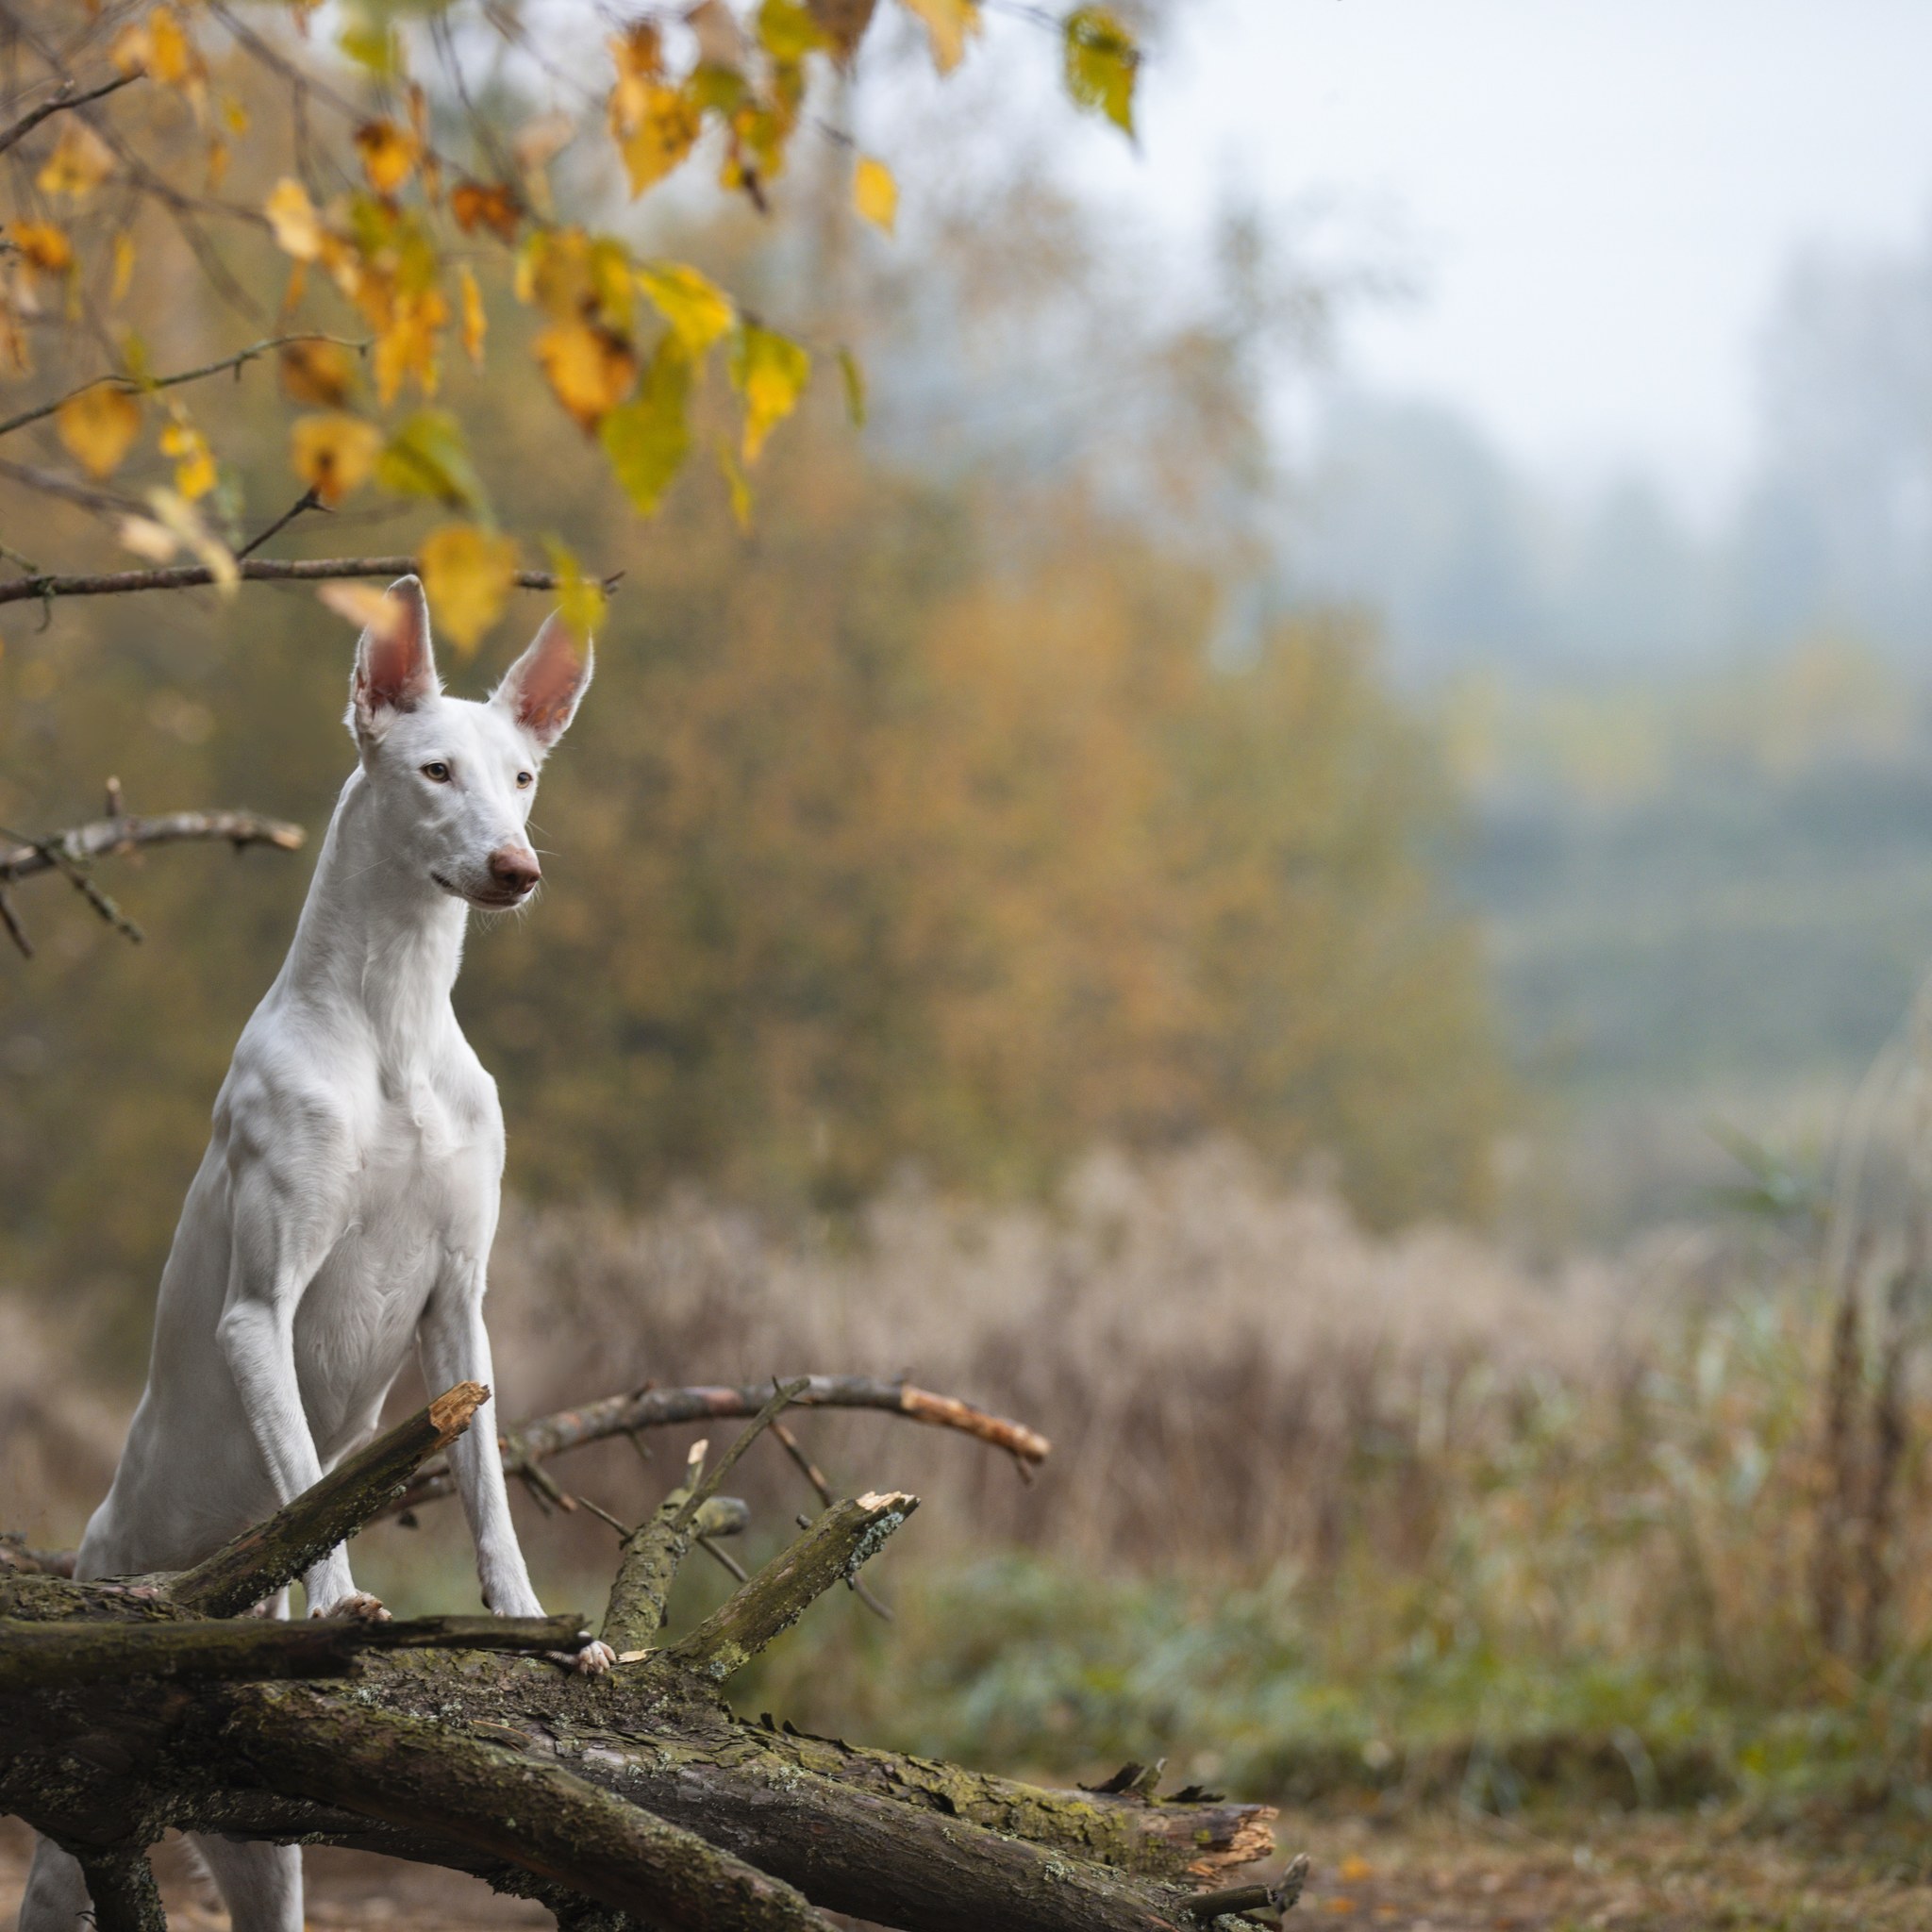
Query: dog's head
[[452, 779]]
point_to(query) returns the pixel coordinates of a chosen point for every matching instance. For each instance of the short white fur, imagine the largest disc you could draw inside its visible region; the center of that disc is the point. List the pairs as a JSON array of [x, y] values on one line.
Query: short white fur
[[349, 1199]]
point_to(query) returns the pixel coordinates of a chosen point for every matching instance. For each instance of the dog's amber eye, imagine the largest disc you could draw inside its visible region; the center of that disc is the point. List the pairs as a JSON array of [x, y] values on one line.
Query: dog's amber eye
[[525, 778], [437, 770]]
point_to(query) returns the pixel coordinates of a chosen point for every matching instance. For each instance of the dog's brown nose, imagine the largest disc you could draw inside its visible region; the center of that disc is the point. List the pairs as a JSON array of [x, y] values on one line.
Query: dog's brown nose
[[514, 870]]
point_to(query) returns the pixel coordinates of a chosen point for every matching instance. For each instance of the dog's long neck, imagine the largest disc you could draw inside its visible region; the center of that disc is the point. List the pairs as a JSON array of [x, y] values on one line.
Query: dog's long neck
[[376, 943]]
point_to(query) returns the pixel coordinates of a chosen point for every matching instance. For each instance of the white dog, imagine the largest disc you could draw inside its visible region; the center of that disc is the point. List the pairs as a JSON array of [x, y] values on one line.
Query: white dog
[[348, 1199]]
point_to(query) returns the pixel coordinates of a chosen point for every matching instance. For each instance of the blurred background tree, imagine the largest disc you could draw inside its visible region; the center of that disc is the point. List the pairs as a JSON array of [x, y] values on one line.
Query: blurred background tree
[[947, 810]]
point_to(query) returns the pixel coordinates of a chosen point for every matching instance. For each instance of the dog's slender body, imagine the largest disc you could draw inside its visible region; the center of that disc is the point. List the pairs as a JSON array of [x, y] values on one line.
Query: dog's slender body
[[347, 1202]]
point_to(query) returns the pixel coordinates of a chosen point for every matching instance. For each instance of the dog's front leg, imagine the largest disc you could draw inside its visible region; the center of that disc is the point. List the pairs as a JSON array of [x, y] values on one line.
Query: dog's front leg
[[454, 1346], [280, 1236]]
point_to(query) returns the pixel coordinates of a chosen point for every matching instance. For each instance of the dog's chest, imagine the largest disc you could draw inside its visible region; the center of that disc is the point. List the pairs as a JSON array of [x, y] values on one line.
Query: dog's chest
[[423, 1206]]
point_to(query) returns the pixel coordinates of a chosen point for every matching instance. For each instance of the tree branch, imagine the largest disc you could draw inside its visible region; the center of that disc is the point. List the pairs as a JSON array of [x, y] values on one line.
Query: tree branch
[[103, 837], [254, 570], [44, 1655], [536, 1440], [63, 98], [143, 386], [652, 1553], [260, 1561], [550, 1821], [833, 1549]]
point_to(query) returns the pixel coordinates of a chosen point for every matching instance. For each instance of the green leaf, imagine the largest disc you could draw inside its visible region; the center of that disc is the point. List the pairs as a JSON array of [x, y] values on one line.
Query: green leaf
[[854, 387], [648, 437], [426, 457], [788, 31], [1102, 63]]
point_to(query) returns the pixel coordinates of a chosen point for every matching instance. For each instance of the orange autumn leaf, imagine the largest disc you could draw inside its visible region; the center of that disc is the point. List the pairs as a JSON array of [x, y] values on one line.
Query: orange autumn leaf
[[487, 205], [41, 245], [590, 369], [319, 374], [99, 426], [389, 154], [476, 324], [333, 453]]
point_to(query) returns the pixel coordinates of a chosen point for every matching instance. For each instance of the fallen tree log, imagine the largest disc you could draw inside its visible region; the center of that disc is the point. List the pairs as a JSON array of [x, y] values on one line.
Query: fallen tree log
[[637, 1799]]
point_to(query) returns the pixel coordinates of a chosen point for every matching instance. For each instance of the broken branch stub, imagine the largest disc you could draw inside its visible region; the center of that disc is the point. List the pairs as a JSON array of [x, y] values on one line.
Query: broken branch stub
[[836, 1547], [260, 1561]]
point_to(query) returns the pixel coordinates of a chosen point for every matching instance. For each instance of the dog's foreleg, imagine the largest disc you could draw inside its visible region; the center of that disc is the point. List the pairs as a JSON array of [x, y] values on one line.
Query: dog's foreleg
[[281, 1238], [454, 1346]]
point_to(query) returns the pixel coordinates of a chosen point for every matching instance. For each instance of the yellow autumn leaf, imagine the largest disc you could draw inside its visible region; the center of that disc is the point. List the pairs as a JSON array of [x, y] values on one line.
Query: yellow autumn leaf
[[949, 24], [579, 599], [1102, 62], [333, 453], [316, 373], [389, 154], [194, 462], [82, 160], [292, 215], [124, 265], [770, 371], [875, 194], [131, 49], [99, 426], [648, 437], [363, 604], [169, 57], [698, 311], [736, 486], [180, 517], [590, 369], [664, 130], [468, 574], [475, 323]]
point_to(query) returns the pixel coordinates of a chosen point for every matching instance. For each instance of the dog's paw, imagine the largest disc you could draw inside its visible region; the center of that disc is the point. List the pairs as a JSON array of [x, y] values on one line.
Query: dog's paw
[[595, 1658], [360, 1605]]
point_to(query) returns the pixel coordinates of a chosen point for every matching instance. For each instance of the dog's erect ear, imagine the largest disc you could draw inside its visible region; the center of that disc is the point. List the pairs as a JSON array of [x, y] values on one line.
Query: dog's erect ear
[[396, 670], [542, 688]]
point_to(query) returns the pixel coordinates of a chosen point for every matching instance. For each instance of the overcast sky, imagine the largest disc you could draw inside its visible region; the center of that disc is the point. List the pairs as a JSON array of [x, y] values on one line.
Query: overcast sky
[[1602, 194]]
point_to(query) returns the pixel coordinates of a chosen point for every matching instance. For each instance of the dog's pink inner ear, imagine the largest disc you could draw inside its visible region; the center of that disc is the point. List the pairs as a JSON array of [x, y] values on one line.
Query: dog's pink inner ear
[[544, 683], [397, 669]]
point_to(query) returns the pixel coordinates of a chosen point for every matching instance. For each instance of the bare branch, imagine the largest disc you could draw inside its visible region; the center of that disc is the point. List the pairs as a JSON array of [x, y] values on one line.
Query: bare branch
[[254, 570], [530, 1442], [107, 835], [63, 98]]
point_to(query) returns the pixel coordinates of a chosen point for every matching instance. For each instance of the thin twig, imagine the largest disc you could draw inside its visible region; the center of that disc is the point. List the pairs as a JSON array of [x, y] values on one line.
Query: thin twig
[[58, 104], [141, 385], [307, 500], [254, 570], [10, 920]]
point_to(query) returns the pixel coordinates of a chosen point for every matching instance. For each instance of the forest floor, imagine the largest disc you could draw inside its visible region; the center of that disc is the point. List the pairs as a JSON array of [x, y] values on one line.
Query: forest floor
[[1423, 1872]]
